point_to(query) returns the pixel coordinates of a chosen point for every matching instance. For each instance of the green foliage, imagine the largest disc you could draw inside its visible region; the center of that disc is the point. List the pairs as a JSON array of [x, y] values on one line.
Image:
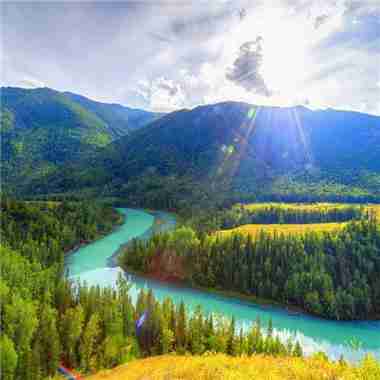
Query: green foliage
[[7, 120], [43, 231], [8, 358], [39, 313], [182, 239], [88, 347], [71, 331]]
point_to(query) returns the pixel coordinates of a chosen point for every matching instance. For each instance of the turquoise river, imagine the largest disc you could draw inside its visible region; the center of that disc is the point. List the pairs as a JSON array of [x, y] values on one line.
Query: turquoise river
[[92, 263]]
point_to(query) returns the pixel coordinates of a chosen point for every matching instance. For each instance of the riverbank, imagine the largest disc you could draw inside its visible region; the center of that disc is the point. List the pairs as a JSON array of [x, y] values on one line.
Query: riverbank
[[239, 297], [163, 221], [231, 295], [84, 243]]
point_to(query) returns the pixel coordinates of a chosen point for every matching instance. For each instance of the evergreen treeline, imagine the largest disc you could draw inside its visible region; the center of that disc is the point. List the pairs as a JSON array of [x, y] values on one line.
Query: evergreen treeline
[[169, 328], [239, 215], [46, 320], [334, 275], [43, 231]]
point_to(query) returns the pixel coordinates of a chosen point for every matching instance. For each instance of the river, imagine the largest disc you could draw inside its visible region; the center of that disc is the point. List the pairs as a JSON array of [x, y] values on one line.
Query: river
[[92, 264]]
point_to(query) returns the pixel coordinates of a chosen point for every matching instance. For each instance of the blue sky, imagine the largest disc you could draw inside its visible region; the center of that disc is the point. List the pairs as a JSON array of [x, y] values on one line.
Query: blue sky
[[168, 55]]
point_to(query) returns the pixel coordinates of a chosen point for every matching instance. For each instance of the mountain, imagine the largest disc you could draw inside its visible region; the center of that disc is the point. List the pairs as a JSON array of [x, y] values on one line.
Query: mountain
[[235, 150], [120, 119], [43, 129]]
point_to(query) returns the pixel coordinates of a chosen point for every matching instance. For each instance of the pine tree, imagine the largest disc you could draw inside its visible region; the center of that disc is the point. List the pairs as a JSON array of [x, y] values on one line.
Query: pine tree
[[49, 340], [166, 336], [71, 330], [231, 338], [88, 346], [181, 332], [8, 358], [297, 350]]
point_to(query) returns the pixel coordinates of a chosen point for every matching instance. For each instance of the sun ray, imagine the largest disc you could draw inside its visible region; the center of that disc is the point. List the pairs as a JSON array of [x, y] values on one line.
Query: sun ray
[[230, 162]]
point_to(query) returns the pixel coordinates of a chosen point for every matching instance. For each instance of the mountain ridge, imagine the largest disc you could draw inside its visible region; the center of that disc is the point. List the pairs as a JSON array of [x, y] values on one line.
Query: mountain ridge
[[234, 148], [209, 153]]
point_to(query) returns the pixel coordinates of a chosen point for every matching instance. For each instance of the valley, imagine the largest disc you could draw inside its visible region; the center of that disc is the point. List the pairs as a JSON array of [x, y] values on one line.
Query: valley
[[313, 333], [267, 243]]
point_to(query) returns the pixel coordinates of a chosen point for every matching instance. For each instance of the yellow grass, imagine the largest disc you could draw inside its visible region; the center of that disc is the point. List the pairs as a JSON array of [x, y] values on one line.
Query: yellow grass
[[376, 208], [298, 206], [254, 229], [222, 367], [308, 206], [287, 229]]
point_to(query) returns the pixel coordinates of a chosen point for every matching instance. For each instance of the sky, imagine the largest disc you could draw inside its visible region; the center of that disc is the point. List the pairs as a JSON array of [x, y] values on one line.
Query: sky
[[163, 56]]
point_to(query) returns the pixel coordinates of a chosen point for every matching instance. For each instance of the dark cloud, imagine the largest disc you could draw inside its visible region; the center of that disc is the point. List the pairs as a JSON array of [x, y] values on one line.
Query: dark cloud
[[161, 38], [203, 25], [170, 88], [246, 68], [242, 14], [320, 20], [188, 27]]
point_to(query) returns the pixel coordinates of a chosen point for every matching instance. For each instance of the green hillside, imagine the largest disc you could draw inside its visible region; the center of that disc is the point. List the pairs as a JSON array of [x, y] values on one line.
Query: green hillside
[[43, 129], [119, 119]]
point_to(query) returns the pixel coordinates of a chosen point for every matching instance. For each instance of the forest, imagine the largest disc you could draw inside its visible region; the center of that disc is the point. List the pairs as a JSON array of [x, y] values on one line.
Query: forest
[[47, 320], [334, 275]]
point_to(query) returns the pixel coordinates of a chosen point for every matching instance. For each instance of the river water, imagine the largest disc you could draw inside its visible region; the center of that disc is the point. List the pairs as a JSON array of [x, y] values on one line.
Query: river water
[[92, 264]]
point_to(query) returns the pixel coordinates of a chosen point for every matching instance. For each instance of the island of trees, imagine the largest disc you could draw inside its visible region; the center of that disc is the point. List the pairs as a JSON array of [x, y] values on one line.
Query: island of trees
[[334, 275]]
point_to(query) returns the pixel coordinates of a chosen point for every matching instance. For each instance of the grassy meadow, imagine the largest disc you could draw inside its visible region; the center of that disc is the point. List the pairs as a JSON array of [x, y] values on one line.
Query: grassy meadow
[[222, 367], [308, 206], [254, 229]]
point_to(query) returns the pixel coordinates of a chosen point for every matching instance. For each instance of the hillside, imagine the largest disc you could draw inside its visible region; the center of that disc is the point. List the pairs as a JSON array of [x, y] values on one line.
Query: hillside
[[236, 150], [42, 129], [222, 367], [120, 119]]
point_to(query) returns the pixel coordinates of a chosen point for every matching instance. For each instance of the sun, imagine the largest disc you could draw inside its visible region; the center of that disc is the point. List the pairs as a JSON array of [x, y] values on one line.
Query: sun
[[286, 61], [285, 66]]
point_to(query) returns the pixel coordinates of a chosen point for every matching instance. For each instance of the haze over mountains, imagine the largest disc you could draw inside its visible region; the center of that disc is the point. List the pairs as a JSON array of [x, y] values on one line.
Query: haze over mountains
[[67, 143]]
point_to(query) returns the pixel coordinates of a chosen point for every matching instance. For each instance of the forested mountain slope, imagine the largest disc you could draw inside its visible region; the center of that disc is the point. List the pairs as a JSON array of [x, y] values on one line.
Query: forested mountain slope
[[236, 149], [120, 119], [43, 129]]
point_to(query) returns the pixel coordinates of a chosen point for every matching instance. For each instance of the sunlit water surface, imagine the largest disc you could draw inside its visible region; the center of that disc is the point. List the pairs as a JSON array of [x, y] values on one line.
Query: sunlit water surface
[[92, 264]]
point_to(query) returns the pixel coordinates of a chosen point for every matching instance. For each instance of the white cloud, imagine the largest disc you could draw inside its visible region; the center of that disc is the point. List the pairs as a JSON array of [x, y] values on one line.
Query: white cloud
[[30, 82], [161, 94], [167, 56]]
